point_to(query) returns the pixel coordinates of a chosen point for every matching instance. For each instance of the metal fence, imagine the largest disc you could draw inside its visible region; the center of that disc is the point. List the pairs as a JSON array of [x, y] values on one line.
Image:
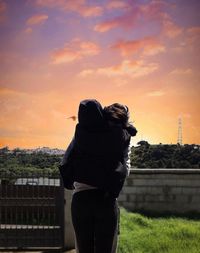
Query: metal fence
[[31, 211]]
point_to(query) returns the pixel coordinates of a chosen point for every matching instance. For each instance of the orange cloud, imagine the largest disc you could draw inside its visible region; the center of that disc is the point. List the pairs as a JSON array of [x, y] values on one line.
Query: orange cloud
[[86, 72], [37, 19], [89, 48], [75, 50], [156, 93], [180, 48], [153, 49], [127, 68], [78, 6], [148, 45], [65, 55], [89, 11], [106, 26]]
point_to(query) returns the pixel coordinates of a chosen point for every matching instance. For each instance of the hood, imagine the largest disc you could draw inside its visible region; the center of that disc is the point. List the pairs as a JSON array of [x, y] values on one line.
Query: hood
[[90, 113]]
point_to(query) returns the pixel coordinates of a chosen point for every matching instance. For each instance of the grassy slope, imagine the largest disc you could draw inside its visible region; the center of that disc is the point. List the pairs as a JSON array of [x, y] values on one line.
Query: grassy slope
[[140, 234]]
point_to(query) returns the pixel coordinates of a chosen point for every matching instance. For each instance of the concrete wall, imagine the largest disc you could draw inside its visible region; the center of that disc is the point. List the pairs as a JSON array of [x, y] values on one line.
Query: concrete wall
[[175, 191]]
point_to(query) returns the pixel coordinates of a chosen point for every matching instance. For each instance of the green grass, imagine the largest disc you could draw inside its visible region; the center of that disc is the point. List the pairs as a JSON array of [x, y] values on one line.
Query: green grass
[[139, 234]]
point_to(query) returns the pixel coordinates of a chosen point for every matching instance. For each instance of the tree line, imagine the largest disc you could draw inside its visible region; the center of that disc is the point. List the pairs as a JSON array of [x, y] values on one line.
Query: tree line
[[16, 162], [165, 156]]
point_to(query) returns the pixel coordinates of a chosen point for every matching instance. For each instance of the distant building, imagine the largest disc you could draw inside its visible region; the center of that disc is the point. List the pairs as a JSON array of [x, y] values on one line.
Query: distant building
[[46, 150], [54, 151]]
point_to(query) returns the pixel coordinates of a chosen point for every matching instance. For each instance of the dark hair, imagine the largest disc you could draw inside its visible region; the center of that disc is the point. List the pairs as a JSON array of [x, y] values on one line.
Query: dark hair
[[117, 113]]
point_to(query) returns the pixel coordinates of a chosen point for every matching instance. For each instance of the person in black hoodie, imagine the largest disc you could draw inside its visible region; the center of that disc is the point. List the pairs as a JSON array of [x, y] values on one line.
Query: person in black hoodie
[[99, 152]]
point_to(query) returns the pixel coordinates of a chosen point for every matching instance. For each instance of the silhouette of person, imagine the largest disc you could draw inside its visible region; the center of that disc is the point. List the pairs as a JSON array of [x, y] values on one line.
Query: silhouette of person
[[100, 150]]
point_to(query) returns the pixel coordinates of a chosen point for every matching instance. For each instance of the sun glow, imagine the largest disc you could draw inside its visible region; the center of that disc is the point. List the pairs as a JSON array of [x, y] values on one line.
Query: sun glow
[[56, 53]]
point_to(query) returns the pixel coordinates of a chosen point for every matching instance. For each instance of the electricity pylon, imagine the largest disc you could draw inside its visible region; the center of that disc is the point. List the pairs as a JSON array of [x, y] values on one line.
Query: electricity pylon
[[179, 140]]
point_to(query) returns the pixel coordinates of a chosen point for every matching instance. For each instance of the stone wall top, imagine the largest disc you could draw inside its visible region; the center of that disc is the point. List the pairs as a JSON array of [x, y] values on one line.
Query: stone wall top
[[164, 171]]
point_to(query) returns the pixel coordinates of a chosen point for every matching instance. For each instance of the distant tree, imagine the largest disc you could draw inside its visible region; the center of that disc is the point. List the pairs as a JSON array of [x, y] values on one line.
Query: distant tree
[[18, 162], [165, 156], [4, 150], [143, 143]]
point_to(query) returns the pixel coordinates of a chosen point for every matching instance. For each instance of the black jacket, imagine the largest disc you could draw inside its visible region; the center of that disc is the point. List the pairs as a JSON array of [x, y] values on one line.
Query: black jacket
[[99, 150], [98, 155]]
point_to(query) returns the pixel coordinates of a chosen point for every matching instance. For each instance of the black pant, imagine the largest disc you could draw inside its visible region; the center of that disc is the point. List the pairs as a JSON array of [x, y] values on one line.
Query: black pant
[[95, 219]]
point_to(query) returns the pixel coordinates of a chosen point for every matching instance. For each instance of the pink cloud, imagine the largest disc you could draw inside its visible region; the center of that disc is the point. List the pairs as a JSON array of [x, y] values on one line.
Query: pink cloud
[[117, 4], [106, 26], [89, 11], [75, 50], [28, 30], [37, 19], [170, 29], [3, 8], [180, 71], [78, 6], [190, 43], [125, 21], [134, 12], [193, 35], [126, 68], [156, 11], [65, 55], [153, 10], [148, 45], [195, 30], [153, 49], [89, 48]]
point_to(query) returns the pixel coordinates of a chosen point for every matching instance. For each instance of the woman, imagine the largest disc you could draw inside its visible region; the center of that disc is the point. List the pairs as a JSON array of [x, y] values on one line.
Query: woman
[[99, 152]]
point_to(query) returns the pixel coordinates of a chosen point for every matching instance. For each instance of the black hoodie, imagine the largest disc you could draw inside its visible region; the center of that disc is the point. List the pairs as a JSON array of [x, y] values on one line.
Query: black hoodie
[[99, 149]]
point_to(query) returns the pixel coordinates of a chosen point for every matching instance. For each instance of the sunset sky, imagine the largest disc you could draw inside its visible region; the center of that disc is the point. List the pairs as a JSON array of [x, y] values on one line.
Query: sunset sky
[[142, 53]]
